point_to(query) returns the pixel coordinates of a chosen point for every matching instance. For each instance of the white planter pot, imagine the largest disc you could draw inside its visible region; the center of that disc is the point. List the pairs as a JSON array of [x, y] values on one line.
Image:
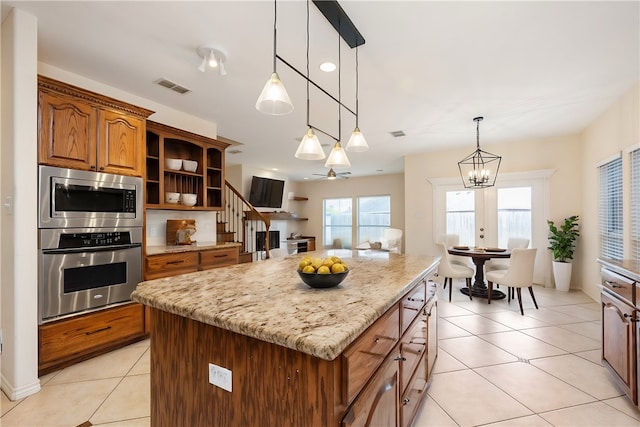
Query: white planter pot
[[562, 275]]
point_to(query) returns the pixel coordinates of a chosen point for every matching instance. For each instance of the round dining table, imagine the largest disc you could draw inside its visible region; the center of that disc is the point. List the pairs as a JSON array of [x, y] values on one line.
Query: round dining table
[[479, 256]]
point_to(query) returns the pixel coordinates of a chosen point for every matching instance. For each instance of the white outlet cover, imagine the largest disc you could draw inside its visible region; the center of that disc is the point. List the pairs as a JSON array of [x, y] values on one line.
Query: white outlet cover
[[220, 377]]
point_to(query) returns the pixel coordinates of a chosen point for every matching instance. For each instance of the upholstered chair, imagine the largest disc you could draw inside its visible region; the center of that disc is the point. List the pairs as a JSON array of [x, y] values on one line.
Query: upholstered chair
[[519, 275], [450, 271]]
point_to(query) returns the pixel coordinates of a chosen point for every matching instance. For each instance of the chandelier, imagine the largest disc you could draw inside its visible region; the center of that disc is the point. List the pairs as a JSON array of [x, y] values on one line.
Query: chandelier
[[476, 168]]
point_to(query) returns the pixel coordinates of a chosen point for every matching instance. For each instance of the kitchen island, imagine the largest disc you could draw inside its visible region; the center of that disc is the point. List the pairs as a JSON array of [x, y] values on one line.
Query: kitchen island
[[252, 345]]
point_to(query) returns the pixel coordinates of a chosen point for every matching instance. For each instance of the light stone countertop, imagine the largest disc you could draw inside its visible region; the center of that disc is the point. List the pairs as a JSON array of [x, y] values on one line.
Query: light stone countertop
[[267, 299], [198, 246]]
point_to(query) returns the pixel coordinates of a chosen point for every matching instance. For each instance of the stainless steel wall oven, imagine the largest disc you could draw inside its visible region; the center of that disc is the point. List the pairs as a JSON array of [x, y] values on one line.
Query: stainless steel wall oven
[[90, 240]]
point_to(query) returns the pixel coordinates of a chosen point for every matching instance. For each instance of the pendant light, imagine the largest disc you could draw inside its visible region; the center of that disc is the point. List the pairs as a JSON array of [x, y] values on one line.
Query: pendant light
[[274, 99], [475, 169], [338, 157], [357, 142], [309, 148]]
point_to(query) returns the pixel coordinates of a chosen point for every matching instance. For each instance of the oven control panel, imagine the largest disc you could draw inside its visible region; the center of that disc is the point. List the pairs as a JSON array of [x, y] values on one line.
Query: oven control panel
[[92, 240]]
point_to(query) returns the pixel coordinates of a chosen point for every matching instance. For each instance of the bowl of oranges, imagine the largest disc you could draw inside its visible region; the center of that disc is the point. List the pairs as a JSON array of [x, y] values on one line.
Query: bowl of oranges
[[322, 273]]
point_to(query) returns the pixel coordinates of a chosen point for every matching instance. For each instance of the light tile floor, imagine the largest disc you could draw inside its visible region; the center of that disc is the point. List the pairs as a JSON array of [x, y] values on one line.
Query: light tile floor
[[495, 367]]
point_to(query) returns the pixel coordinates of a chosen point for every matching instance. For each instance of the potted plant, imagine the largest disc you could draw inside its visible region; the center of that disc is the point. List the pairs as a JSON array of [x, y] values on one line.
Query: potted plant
[[562, 242]]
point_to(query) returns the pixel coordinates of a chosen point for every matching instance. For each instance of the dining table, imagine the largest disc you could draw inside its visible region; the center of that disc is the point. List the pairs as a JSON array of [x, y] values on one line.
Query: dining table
[[479, 256]]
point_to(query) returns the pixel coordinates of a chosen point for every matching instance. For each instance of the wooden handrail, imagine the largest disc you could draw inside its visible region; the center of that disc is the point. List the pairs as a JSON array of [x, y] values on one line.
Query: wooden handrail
[[254, 214]]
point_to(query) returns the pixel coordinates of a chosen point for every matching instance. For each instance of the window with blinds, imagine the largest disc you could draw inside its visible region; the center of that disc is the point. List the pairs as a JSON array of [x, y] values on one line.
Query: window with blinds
[[635, 204], [611, 231]]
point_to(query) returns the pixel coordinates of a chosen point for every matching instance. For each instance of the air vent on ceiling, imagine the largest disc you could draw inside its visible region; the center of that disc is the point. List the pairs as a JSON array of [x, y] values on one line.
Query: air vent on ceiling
[[172, 85], [234, 151], [397, 133]]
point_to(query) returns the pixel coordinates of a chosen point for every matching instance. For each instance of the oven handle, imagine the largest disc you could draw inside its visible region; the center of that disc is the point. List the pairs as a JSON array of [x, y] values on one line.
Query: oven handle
[[91, 249]]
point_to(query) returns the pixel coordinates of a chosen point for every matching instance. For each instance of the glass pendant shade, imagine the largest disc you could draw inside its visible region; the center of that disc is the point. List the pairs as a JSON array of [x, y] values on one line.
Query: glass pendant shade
[[309, 148], [337, 158], [274, 99], [357, 143]]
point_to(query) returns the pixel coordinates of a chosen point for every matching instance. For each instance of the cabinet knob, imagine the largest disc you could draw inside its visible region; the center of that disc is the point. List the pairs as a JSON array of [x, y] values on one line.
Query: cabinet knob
[[92, 166], [406, 401], [101, 168]]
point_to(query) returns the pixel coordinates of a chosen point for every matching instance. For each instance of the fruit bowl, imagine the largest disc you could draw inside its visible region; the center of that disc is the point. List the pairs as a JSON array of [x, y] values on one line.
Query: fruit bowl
[[316, 280]]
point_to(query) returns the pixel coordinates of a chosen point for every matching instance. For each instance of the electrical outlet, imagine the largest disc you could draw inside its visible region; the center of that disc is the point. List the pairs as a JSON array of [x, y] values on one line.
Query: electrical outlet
[[220, 377]]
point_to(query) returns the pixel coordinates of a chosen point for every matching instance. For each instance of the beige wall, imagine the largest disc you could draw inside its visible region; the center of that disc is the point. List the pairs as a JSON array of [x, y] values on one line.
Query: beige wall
[[317, 191], [615, 131]]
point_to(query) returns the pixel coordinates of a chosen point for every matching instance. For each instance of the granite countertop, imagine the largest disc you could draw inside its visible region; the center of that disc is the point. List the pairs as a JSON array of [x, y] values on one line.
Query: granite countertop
[[627, 267], [267, 299], [198, 246]]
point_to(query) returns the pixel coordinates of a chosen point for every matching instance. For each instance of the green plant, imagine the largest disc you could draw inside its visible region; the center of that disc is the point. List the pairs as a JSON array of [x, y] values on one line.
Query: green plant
[[562, 240]]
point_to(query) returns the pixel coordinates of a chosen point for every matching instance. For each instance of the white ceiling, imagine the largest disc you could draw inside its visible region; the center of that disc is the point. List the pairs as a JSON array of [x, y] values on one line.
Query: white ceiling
[[532, 69]]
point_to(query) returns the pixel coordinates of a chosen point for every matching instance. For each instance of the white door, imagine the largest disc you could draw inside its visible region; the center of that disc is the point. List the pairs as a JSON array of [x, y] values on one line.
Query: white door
[[516, 207]]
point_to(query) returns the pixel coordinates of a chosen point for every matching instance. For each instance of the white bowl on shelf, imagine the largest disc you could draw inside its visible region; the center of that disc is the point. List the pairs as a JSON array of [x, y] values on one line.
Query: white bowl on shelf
[[171, 197], [189, 199], [173, 164], [190, 165]]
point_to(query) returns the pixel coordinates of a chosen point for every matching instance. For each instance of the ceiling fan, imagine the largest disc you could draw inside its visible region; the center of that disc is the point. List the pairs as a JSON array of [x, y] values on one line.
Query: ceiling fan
[[333, 175]]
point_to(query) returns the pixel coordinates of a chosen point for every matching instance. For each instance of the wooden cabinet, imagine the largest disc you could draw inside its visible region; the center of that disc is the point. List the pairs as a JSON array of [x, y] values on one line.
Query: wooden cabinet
[[392, 360], [172, 264], [214, 258], [165, 265], [79, 129], [619, 342], [68, 341], [206, 182]]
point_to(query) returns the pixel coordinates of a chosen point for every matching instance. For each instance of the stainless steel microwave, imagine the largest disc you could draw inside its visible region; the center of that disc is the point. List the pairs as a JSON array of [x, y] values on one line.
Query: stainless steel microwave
[[74, 198]]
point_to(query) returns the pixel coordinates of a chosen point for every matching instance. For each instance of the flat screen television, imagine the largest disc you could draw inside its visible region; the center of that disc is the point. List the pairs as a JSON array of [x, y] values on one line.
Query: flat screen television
[[266, 192]]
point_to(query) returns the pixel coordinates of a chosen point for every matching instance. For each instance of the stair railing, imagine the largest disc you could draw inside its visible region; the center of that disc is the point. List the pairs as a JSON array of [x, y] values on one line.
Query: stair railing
[[251, 227]]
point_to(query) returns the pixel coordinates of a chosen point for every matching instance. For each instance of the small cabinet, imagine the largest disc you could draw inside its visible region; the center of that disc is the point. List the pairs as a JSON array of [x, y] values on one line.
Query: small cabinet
[[618, 342], [206, 181], [70, 340], [79, 129]]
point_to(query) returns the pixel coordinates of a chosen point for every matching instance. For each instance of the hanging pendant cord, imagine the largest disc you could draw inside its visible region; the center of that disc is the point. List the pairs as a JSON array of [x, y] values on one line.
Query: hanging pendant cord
[[339, 89], [275, 19], [308, 103], [478, 134], [357, 85]]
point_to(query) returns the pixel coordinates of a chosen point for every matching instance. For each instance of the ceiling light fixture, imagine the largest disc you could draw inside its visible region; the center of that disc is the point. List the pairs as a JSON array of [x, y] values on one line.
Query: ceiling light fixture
[[328, 67], [309, 148], [212, 56], [274, 98], [357, 142], [475, 168]]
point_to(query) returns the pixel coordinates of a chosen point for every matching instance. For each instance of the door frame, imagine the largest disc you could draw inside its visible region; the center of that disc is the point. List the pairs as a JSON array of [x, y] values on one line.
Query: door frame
[[538, 180]]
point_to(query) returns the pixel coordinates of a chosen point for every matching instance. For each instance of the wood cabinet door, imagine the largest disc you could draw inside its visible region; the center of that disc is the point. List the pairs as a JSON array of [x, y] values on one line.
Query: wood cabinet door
[[618, 342], [67, 132], [120, 143], [379, 402]]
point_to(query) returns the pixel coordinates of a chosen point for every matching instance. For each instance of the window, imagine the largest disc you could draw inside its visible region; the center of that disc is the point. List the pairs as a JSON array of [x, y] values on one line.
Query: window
[[461, 216], [514, 214], [336, 222], [611, 228], [374, 216], [635, 204]]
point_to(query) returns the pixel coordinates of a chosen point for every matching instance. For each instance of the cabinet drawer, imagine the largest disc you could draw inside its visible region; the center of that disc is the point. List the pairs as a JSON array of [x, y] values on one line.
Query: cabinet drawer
[[412, 303], [412, 349], [412, 398], [365, 354], [218, 258], [164, 265], [620, 285], [82, 334]]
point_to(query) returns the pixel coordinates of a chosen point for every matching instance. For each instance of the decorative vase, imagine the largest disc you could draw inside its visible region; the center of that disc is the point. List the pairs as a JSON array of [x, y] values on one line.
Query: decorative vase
[[562, 275]]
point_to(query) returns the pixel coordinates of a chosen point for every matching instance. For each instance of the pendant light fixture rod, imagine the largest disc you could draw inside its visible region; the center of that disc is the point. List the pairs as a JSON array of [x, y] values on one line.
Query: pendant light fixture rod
[[301, 74], [340, 88], [357, 88], [308, 102], [275, 20]]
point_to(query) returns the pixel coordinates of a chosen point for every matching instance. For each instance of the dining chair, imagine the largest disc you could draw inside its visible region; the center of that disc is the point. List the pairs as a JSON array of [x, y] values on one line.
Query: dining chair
[[451, 240], [503, 263], [392, 240], [450, 271], [519, 275]]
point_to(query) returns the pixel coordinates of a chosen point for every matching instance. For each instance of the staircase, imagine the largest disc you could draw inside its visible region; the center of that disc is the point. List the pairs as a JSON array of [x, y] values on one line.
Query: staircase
[[240, 222]]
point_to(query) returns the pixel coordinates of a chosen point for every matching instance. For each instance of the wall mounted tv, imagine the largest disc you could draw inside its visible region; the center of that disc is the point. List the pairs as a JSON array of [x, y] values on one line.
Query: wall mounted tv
[[266, 192]]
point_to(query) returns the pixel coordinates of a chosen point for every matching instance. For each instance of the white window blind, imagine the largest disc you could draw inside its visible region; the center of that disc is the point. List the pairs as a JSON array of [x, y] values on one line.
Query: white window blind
[[635, 204], [611, 231]]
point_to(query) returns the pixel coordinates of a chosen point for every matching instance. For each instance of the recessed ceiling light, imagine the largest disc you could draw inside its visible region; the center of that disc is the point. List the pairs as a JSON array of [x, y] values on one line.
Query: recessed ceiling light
[[274, 169], [328, 67]]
